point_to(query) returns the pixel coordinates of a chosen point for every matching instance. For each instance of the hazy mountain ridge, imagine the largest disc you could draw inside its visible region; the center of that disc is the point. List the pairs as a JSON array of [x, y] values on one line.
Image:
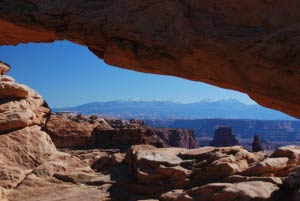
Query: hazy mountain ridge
[[230, 108]]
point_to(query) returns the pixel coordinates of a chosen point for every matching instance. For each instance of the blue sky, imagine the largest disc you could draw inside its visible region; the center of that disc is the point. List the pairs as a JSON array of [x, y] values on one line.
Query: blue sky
[[67, 74]]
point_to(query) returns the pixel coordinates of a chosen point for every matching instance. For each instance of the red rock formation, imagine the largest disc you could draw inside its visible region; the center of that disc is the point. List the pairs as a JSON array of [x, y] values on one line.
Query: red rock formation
[[23, 146], [20, 106], [224, 138], [184, 138], [217, 42], [72, 130], [69, 130], [256, 145]]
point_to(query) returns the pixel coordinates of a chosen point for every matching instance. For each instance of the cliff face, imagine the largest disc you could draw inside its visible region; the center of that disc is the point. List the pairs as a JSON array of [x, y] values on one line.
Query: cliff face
[[79, 131], [217, 42], [178, 137]]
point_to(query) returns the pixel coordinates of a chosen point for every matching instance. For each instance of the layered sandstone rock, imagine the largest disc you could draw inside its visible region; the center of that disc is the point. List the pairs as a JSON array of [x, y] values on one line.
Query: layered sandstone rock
[[72, 130], [217, 42], [291, 152], [20, 106], [158, 166], [69, 130], [207, 174], [184, 138], [268, 167], [216, 163], [150, 173], [245, 191], [38, 172], [23, 145], [224, 137]]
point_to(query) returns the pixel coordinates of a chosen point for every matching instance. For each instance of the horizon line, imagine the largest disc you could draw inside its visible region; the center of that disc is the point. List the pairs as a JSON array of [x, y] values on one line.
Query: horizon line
[[155, 100]]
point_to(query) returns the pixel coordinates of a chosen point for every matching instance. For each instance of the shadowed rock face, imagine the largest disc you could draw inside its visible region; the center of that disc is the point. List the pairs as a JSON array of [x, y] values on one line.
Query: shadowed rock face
[[217, 42], [224, 138], [256, 145]]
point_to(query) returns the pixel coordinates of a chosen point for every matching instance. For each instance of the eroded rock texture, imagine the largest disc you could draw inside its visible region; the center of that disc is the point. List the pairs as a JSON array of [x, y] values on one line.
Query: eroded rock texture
[[69, 130], [23, 146], [249, 46], [20, 106]]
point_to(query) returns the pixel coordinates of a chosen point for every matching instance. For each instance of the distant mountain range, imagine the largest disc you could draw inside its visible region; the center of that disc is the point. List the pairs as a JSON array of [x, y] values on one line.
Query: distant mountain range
[[231, 109]]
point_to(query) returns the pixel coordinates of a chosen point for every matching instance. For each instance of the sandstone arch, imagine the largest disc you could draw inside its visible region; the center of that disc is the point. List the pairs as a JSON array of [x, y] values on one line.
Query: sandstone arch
[[249, 46]]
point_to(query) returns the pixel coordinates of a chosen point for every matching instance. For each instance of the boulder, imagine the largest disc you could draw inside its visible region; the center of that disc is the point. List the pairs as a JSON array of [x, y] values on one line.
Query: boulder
[[20, 106], [269, 166], [291, 152], [244, 191], [4, 68], [10, 89], [20, 152], [157, 166], [216, 163]]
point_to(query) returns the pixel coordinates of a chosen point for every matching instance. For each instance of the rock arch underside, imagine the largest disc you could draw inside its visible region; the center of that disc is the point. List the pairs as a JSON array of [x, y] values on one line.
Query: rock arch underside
[[249, 46]]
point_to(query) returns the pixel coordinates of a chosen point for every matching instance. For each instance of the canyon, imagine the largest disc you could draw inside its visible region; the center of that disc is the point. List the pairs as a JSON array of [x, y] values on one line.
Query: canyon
[[69, 130], [216, 42], [273, 133], [32, 168]]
